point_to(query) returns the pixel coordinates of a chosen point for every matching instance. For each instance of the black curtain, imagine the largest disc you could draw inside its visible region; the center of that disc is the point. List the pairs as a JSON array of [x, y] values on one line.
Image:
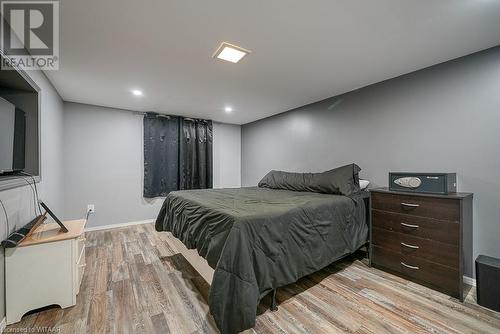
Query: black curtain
[[161, 155], [177, 154], [195, 154]]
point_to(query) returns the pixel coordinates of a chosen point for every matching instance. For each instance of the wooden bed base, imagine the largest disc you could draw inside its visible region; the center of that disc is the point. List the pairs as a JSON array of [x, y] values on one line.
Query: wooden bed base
[[202, 267], [198, 263]]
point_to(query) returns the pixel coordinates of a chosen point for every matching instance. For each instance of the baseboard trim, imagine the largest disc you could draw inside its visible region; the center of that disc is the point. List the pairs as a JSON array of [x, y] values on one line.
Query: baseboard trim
[[112, 226], [469, 281], [3, 324]]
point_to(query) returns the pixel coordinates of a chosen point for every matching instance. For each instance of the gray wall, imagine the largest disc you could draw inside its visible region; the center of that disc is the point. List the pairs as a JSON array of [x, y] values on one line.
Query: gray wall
[[445, 118], [103, 159], [19, 201], [227, 156]]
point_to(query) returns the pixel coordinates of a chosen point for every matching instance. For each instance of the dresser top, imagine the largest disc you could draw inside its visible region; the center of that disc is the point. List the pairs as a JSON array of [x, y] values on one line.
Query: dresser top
[[458, 195], [52, 232]]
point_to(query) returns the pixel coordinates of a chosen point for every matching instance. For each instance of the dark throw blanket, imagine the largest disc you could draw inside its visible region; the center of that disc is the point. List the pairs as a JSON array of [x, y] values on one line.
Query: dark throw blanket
[[258, 239]]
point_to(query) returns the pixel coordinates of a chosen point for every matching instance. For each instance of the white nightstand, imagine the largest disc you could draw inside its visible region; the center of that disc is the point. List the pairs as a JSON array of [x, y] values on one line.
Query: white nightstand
[[45, 269]]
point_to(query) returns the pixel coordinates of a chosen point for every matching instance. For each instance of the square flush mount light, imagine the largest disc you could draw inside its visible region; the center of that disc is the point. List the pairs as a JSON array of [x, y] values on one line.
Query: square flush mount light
[[230, 52]]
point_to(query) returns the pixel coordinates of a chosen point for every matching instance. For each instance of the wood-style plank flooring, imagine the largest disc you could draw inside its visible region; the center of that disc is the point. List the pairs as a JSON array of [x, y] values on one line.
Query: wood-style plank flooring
[[136, 282]]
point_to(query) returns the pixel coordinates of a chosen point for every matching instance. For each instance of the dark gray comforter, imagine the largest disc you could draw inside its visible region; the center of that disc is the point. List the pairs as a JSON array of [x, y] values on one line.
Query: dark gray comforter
[[258, 239]]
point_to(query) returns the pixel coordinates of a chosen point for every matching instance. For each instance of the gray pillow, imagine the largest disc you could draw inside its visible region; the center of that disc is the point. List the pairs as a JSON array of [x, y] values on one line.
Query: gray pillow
[[342, 180]]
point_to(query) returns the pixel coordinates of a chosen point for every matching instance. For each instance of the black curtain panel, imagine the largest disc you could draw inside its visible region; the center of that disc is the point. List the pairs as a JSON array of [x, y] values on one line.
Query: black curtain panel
[[195, 154], [161, 154], [177, 154]]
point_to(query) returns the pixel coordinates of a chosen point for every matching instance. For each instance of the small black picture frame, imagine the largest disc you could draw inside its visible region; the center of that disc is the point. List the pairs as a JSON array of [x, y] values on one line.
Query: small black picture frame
[[63, 228]]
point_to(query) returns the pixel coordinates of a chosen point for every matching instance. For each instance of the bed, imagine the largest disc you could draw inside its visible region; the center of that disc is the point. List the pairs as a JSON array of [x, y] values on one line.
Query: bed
[[257, 239]]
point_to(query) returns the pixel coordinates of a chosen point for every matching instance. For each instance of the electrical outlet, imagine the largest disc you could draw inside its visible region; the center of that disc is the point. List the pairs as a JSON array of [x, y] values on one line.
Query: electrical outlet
[[91, 208]]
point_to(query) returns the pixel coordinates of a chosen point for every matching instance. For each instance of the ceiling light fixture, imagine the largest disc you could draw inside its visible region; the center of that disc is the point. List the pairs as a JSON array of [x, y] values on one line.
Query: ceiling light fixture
[[137, 92], [228, 109], [230, 52]]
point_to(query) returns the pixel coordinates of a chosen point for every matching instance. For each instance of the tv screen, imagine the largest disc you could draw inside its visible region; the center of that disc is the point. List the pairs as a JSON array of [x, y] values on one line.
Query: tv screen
[[12, 137]]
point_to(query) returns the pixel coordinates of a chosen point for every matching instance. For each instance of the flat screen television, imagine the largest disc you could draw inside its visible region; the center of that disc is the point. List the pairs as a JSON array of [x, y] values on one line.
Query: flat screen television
[[12, 138]]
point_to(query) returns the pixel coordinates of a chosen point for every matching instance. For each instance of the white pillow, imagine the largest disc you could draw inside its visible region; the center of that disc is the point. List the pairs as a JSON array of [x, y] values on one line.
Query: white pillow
[[363, 184]]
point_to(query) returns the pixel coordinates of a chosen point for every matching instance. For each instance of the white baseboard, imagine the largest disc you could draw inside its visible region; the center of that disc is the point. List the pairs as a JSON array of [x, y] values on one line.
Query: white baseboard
[[111, 226], [3, 324], [469, 281]]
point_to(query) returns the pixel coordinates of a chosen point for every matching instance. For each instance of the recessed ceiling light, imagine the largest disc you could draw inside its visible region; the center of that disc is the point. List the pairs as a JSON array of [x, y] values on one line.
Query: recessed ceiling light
[[228, 109], [137, 92], [230, 52]]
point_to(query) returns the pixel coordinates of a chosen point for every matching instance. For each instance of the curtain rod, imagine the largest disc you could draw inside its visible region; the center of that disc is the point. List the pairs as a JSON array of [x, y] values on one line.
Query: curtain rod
[[142, 113]]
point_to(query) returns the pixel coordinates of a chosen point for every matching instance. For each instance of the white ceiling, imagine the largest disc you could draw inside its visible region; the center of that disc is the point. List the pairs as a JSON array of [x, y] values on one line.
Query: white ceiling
[[302, 51]]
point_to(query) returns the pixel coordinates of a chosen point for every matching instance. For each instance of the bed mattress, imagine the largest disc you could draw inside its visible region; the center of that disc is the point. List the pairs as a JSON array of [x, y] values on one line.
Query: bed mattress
[[258, 239]]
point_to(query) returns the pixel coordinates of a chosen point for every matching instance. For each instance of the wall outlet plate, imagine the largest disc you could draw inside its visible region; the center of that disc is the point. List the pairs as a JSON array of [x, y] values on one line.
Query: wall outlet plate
[[91, 208]]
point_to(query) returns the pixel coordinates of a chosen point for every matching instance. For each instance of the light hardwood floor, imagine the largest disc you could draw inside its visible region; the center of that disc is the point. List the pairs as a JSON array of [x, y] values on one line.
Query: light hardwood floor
[[136, 283]]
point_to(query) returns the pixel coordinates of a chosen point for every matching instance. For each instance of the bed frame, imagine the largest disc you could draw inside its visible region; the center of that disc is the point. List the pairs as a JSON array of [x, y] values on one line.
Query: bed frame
[[198, 263], [202, 267]]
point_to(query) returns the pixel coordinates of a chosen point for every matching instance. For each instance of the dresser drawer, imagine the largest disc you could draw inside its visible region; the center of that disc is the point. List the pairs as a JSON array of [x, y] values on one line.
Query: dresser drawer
[[436, 276], [409, 245], [422, 227], [431, 207]]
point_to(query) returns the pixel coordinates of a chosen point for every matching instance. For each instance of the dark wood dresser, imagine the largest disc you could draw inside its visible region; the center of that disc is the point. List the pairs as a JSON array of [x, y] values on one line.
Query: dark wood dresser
[[425, 238]]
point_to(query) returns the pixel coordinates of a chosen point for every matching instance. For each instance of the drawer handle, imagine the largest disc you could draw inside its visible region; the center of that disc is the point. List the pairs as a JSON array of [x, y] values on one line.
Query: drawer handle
[[408, 266], [410, 205], [409, 246], [409, 225]]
